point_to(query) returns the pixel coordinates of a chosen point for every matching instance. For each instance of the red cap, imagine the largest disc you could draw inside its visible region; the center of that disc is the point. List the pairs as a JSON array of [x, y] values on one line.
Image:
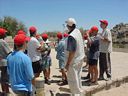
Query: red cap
[[66, 34], [94, 28], [2, 31], [44, 36], [32, 29], [104, 22], [21, 32], [20, 39], [59, 35]]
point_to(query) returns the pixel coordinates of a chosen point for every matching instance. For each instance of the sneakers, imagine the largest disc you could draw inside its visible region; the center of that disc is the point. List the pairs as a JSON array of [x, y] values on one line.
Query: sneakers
[[106, 79], [87, 77], [108, 76], [47, 82], [64, 82], [101, 78]]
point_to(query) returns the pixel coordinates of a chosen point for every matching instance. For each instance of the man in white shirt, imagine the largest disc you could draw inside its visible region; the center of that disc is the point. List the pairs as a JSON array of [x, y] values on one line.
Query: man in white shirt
[[4, 51], [34, 53], [74, 57], [105, 49]]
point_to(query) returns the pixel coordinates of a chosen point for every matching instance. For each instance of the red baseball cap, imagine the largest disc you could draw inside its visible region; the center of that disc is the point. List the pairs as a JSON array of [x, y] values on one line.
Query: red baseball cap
[[59, 35], [66, 34], [20, 39], [94, 28], [104, 22], [32, 29], [2, 31], [21, 32], [44, 36]]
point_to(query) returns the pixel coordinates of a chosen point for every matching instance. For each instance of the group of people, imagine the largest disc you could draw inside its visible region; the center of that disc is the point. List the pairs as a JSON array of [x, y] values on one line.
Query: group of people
[[99, 47], [31, 56], [22, 64]]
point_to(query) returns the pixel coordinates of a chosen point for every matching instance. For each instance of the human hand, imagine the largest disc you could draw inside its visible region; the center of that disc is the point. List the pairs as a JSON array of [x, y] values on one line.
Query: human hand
[[67, 67]]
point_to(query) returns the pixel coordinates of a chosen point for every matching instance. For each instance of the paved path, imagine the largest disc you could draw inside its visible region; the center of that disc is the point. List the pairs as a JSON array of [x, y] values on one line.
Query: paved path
[[120, 91], [119, 70]]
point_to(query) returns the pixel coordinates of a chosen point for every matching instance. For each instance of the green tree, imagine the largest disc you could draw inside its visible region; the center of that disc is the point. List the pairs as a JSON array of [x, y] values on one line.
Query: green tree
[[12, 25]]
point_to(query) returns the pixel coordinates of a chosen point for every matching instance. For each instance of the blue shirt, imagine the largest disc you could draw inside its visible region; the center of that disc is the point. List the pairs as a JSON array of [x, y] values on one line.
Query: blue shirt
[[20, 71], [60, 50]]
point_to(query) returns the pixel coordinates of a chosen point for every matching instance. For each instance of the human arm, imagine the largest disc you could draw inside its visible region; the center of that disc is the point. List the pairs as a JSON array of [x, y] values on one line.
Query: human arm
[[106, 37], [6, 48], [29, 70], [71, 48]]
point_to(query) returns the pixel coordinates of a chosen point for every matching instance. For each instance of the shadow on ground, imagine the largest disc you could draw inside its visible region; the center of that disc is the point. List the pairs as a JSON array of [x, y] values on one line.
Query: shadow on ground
[[64, 94], [85, 83], [55, 81], [57, 76]]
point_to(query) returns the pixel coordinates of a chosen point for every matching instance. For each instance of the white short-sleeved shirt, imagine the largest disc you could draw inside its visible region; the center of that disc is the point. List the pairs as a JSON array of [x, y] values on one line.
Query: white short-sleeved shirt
[[4, 51], [33, 53], [106, 46]]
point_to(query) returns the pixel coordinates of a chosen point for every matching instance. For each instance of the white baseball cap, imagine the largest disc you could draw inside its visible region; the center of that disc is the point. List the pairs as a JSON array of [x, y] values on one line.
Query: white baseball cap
[[71, 21]]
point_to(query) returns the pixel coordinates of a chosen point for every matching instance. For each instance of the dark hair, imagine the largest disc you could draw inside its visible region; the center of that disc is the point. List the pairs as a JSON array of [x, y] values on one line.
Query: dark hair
[[73, 26], [18, 46], [2, 37], [32, 34], [44, 39]]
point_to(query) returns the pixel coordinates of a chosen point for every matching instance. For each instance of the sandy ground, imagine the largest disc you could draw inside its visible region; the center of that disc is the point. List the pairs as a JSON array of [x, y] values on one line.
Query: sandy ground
[[119, 69], [118, 91]]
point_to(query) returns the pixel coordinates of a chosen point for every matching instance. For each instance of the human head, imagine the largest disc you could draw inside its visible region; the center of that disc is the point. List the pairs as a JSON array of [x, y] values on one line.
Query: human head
[[21, 32], [20, 41], [71, 24], [32, 31], [89, 32], [59, 35], [85, 36], [94, 30], [37, 36], [2, 33], [44, 36], [103, 24]]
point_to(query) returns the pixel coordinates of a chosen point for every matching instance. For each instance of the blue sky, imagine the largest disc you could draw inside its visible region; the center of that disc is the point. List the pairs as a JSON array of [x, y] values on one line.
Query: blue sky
[[50, 15]]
